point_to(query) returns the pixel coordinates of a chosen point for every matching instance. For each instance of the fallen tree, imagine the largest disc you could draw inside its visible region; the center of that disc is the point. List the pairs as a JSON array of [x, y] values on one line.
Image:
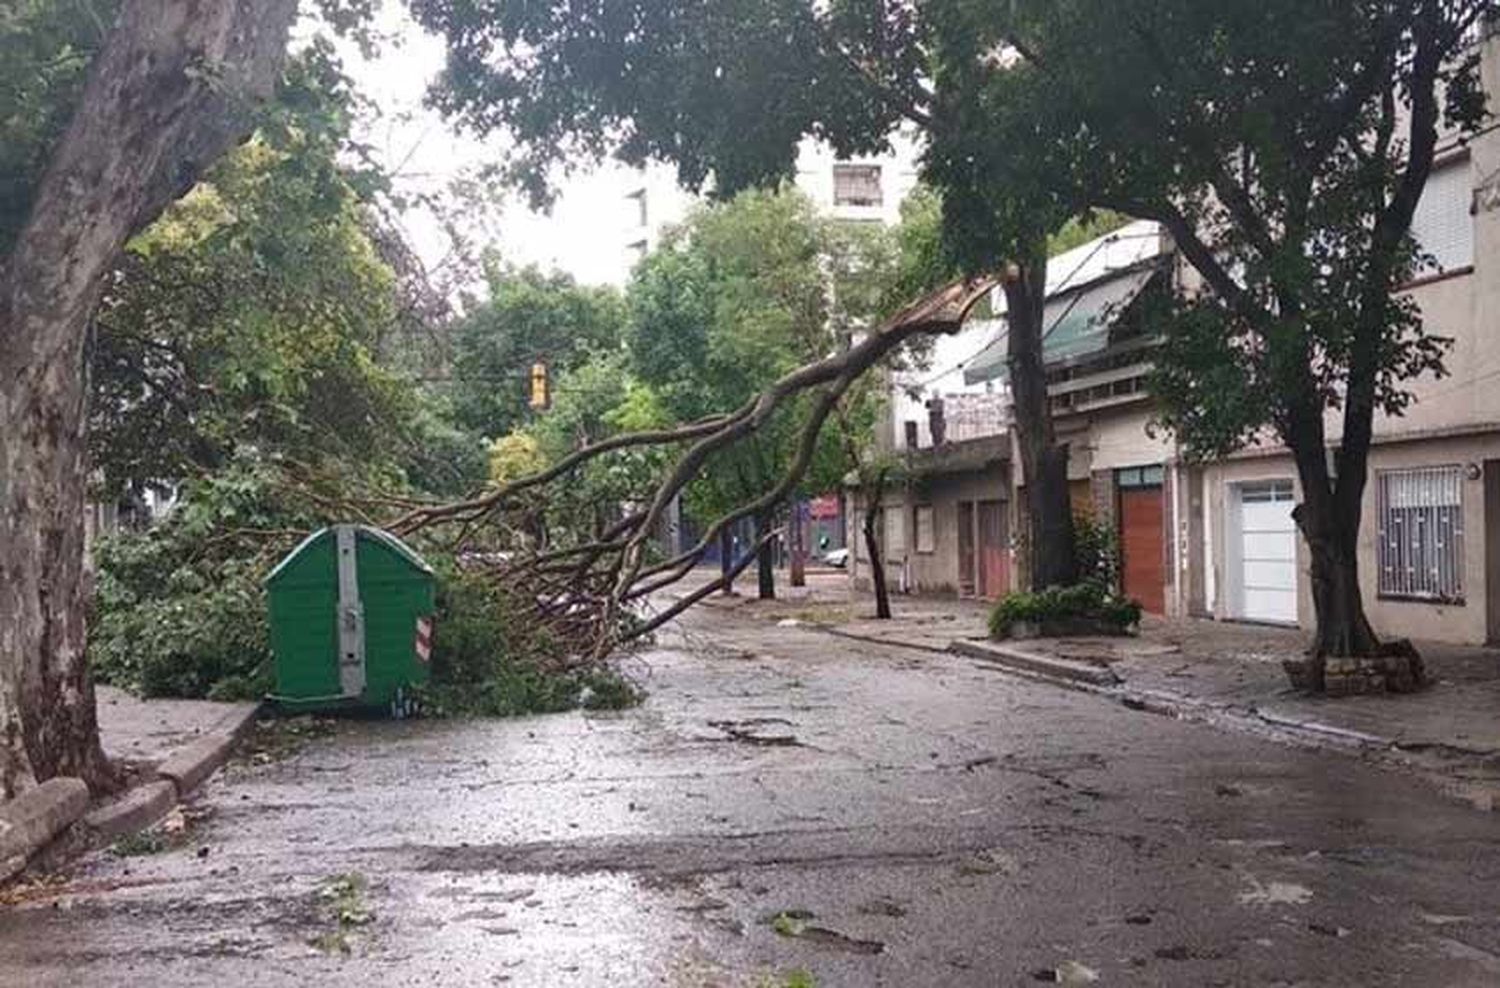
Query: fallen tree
[[589, 594]]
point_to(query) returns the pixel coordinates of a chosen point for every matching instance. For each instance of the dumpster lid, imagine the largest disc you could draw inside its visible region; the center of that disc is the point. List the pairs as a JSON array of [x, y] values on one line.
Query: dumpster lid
[[380, 535]]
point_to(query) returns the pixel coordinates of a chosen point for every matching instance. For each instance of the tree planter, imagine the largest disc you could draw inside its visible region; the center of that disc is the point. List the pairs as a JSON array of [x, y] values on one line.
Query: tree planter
[[1080, 626], [1399, 669]]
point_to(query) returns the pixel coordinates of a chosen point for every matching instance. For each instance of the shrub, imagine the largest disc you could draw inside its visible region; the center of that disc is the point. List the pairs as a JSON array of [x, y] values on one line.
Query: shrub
[[1096, 548], [179, 609], [1063, 608]]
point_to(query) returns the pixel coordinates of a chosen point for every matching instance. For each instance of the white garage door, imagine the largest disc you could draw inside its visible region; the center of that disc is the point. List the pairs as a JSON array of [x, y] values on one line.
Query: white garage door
[[1268, 552]]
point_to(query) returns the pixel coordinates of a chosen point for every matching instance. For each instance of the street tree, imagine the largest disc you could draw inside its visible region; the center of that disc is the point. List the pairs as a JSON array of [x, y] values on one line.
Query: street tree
[[1284, 146], [248, 314], [529, 317], [735, 298], [117, 115]]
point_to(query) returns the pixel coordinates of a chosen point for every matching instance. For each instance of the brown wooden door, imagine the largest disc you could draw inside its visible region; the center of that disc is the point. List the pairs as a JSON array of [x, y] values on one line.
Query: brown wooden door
[[966, 548], [1142, 572], [994, 565]]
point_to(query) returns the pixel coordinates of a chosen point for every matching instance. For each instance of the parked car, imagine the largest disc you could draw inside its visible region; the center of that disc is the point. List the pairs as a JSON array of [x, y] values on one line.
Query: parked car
[[837, 558]]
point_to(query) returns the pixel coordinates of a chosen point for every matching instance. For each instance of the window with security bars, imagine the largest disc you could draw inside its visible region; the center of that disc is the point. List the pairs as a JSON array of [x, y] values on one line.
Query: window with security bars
[[1420, 542], [856, 185]]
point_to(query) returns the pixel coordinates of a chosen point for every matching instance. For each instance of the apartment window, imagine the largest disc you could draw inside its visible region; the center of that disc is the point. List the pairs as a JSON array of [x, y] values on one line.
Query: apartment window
[[636, 251], [926, 539], [1133, 477], [1420, 541], [856, 185], [895, 531], [1442, 224]]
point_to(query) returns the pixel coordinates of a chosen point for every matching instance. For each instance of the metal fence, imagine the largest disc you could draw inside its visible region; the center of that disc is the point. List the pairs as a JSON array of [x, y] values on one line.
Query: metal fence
[[1420, 545]]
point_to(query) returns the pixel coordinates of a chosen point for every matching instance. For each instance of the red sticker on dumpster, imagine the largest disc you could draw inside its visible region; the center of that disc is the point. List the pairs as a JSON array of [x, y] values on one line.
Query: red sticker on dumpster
[[424, 638]]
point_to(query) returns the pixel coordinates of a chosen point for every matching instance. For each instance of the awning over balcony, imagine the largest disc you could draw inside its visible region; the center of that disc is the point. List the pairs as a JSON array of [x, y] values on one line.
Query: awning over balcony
[[1074, 324]]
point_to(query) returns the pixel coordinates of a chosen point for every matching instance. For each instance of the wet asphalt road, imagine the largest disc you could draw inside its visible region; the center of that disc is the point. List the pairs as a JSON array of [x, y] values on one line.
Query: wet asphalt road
[[924, 819]]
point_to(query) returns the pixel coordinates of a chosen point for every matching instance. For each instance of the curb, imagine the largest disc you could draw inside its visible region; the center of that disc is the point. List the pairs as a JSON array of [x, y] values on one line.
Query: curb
[[1479, 795], [187, 769], [1043, 665], [877, 640], [138, 809], [59, 808], [31, 820]]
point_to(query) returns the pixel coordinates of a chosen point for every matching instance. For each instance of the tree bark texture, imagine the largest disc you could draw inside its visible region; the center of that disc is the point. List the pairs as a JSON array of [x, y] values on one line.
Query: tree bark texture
[[726, 561], [797, 563], [872, 547], [765, 556], [172, 88], [1044, 462]]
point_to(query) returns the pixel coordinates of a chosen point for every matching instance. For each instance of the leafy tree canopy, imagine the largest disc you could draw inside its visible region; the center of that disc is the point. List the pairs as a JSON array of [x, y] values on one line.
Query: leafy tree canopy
[[723, 89], [247, 315], [530, 316], [1274, 141]]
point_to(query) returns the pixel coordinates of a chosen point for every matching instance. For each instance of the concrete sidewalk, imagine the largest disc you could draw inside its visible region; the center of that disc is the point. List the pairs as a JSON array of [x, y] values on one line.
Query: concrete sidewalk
[[166, 748], [143, 732], [1208, 670]]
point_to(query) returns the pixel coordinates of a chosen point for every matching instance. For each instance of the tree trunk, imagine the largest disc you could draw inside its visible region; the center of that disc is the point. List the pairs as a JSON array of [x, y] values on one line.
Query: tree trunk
[[1329, 519], [1330, 525], [799, 546], [1045, 463], [170, 91], [726, 561], [872, 548], [765, 557]]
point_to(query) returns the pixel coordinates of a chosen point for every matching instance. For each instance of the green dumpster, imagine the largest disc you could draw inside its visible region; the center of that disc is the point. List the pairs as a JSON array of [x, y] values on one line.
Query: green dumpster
[[351, 621]]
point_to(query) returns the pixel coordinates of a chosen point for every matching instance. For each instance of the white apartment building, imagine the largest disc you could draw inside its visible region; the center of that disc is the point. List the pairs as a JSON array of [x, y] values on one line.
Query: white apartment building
[[865, 189]]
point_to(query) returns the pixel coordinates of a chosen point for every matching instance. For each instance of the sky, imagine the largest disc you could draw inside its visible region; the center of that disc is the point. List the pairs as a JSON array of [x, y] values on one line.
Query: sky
[[583, 235]]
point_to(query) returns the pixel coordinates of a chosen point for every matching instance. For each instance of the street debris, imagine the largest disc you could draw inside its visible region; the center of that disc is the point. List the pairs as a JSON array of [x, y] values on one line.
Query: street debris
[[344, 905], [793, 923], [753, 731], [1274, 893], [990, 861], [1067, 973]]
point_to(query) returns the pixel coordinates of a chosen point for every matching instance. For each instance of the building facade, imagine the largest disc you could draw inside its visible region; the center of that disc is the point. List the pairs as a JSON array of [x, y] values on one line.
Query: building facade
[[1218, 540], [866, 189], [1429, 551], [951, 430]]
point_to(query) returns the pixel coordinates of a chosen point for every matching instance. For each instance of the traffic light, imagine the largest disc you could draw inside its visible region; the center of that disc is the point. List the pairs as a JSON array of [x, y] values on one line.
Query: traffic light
[[540, 398]]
